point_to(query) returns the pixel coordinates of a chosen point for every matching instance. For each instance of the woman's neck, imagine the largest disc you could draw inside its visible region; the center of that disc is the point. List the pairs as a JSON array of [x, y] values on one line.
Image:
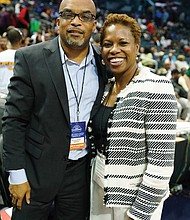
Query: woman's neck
[[119, 85], [124, 80]]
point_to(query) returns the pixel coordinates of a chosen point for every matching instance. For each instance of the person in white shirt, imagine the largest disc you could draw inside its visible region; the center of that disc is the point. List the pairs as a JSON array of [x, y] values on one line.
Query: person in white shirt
[[181, 62], [15, 38]]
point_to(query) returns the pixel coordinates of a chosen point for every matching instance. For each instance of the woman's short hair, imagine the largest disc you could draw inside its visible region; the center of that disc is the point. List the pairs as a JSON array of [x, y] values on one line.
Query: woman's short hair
[[125, 20]]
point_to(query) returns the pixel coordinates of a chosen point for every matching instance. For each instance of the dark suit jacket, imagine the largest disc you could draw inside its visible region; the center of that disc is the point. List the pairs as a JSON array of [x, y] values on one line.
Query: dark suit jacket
[[36, 124]]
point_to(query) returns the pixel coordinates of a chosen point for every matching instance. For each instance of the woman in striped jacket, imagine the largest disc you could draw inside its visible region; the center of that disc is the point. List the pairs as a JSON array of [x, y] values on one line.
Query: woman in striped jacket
[[133, 132]]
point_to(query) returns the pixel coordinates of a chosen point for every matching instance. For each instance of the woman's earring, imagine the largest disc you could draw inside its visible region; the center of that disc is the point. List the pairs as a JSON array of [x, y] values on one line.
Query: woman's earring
[[103, 63], [137, 56]]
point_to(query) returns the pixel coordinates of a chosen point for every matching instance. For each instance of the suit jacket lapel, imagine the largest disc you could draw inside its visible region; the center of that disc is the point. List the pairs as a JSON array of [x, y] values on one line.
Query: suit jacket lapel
[[53, 61]]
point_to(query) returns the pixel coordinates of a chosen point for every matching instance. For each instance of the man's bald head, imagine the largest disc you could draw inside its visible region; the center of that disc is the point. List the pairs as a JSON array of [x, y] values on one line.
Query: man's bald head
[[81, 4]]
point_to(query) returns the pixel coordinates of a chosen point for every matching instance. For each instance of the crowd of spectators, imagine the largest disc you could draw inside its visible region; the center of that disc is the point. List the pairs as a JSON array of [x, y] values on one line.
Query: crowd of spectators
[[165, 28]]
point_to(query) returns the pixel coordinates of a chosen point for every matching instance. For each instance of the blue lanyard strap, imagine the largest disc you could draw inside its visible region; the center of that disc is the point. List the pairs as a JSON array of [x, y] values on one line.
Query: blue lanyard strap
[[77, 100]]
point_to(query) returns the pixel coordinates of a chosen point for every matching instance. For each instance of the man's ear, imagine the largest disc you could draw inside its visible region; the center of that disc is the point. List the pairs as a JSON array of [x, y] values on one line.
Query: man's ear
[[94, 25], [58, 23]]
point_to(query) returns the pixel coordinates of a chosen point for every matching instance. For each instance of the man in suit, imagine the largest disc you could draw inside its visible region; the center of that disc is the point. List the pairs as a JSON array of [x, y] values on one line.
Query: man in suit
[[55, 87]]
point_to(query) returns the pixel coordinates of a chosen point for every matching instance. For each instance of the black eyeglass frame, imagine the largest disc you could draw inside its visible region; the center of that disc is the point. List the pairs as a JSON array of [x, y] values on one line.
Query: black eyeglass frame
[[93, 17]]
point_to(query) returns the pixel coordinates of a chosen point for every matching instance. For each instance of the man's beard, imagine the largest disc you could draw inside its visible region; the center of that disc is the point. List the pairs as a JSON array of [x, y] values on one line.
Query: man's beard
[[75, 43]]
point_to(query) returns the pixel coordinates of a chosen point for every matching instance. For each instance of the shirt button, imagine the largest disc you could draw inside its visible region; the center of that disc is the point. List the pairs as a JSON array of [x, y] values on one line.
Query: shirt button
[[91, 137], [89, 129]]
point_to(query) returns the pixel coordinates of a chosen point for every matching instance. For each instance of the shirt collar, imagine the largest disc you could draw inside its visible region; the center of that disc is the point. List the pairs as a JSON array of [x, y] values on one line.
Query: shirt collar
[[90, 57]]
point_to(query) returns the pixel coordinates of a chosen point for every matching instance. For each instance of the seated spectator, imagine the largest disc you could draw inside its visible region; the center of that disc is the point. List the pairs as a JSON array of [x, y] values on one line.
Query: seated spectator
[[167, 65], [175, 81], [147, 59], [183, 82], [181, 62], [161, 71], [5, 19], [183, 70], [28, 41], [151, 27], [45, 15], [3, 43], [2, 11], [187, 78], [181, 95], [170, 59], [35, 26], [37, 37]]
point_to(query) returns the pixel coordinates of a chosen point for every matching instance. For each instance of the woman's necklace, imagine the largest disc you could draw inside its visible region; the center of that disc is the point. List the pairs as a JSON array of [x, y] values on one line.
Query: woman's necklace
[[115, 89], [111, 97]]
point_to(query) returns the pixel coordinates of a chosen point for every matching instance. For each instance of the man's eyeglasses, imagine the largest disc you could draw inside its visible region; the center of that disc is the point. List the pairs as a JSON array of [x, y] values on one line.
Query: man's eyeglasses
[[84, 16]]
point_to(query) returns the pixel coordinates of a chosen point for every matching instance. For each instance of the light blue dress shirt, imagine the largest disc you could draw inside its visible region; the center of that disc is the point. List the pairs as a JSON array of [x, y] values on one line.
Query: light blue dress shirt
[[90, 90]]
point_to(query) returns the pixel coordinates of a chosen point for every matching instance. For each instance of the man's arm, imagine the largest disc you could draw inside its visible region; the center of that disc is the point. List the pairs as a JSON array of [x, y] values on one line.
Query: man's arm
[[15, 120]]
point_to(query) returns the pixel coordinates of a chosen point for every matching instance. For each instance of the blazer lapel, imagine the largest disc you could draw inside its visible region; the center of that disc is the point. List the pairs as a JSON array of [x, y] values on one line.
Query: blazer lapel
[[53, 60]]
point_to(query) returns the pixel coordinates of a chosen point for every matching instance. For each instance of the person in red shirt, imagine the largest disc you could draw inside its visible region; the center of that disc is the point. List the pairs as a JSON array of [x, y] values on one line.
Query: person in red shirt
[[24, 17], [150, 27]]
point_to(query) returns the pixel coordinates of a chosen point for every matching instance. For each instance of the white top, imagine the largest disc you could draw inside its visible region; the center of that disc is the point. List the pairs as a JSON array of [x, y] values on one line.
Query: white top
[[6, 67]]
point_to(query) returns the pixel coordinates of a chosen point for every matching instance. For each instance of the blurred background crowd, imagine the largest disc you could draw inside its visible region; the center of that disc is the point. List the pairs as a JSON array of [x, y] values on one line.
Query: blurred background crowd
[[165, 42]]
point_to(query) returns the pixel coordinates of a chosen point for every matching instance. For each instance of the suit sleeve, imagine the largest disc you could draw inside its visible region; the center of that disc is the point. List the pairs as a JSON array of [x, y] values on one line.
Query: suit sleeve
[[17, 114]]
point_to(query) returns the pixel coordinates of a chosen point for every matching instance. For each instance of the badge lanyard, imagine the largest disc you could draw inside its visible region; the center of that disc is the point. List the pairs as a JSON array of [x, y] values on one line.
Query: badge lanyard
[[77, 100]]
